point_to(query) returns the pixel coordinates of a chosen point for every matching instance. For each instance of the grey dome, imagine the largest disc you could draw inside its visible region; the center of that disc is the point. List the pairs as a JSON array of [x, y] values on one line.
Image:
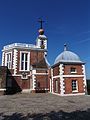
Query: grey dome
[[67, 56]]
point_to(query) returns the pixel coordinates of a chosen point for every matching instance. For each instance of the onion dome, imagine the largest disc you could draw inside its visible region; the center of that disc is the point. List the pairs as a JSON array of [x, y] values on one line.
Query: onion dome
[[67, 57]]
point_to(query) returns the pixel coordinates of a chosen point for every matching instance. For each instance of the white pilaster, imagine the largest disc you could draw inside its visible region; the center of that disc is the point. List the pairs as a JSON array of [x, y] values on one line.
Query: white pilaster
[[51, 80], [45, 44], [34, 78], [50, 85], [3, 54], [84, 78], [15, 55], [61, 70]]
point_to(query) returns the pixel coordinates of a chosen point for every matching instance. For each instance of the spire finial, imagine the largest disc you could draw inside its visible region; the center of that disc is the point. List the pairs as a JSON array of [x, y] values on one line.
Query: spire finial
[[65, 47], [40, 21]]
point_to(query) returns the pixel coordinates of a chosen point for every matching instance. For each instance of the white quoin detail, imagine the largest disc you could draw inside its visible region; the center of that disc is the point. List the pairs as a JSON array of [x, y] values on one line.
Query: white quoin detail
[[34, 78], [84, 78], [15, 61], [52, 81], [3, 54], [61, 70], [45, 44], [50, 85]]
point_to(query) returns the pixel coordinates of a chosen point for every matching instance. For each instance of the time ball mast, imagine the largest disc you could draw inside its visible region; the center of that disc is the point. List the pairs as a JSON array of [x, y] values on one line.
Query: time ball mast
[[41, 30]]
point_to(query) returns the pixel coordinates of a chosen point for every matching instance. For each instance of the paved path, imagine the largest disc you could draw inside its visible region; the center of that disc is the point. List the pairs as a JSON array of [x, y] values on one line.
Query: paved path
[[44, 107]]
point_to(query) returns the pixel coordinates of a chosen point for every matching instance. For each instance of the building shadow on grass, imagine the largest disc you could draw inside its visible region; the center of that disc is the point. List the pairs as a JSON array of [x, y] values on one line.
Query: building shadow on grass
[[60, 115]]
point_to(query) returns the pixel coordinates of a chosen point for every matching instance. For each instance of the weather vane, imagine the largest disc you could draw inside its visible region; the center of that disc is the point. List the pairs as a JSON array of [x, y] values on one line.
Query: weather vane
[[41, 22]]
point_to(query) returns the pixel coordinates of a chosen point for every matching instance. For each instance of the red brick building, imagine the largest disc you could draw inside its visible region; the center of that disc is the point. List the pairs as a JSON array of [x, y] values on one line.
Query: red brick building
[[68, 75], [27, 65], [29, 70]]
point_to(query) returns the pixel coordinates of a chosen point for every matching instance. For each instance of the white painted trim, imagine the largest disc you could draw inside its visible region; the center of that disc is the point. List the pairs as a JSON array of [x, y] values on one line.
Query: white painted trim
[[6, 58], [56, 76], [18, 75], [15, 61], [26, 90], [84, 78], [74, 72], [28, 61], [33, 71], [62, 87], [41, 74], [45, 43], [34, 78], [19, 45], [50, 84], [61, 69], [73, 75], [68, 76], [52, 79], [3, 55], [73, 91], [2, 89], [75, 94], [42, 89]]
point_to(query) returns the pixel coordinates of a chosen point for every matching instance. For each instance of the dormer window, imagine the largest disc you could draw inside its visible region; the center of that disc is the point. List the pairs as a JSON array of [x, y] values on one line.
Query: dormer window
[[73, 70]]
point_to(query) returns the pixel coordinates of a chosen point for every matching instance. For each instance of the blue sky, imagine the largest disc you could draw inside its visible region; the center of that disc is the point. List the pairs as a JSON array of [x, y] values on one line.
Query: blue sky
[[66, 21]]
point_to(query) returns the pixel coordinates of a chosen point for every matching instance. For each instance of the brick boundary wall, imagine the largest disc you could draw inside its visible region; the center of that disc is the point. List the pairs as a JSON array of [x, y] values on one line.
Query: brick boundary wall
[[3, 77]]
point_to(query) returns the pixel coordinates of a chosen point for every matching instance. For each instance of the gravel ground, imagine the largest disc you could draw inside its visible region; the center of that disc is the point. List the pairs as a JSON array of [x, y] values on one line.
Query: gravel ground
[[44, 107]]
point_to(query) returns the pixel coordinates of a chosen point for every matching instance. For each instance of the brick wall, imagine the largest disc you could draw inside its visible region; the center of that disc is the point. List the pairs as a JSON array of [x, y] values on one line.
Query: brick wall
[[68, 67], [36, 56], [3, 75], [42, 81], [56, 70], [68, 85]]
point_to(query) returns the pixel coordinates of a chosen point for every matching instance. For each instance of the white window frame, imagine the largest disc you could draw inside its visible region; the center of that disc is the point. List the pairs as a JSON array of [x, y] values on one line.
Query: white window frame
[[56, 86], [76, 86], [10, 62], [73, 71], [28, 63]]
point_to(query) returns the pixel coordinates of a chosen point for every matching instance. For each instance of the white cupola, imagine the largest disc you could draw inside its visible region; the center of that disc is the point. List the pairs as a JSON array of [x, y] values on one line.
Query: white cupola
[[41, 41]]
